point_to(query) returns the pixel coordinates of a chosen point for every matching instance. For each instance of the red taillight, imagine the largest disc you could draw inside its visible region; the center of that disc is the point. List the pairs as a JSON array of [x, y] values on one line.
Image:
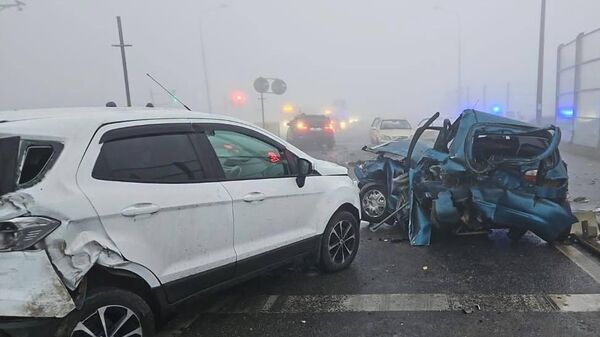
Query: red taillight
[[329, 127], [530, 176], [301, 126]]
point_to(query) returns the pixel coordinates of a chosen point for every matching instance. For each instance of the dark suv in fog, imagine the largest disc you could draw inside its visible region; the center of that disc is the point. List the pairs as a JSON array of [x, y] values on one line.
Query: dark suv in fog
[[311, 130]]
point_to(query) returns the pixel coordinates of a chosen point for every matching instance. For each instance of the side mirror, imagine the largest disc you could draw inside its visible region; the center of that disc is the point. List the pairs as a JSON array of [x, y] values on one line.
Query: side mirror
[[304, 169]]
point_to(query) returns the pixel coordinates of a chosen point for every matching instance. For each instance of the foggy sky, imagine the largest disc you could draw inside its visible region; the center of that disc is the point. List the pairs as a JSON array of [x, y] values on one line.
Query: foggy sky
[[386, 58]]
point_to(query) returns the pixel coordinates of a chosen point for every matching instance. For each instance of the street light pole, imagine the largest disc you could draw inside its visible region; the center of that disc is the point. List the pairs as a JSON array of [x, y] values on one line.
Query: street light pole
[[203, 53], [205, 69], [540, 75]]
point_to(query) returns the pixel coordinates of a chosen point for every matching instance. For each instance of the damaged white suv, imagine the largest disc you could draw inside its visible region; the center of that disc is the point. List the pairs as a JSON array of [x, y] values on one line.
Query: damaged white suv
[[110, 217]]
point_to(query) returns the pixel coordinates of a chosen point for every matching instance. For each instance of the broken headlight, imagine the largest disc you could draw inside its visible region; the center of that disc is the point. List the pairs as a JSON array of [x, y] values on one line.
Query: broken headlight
[[24, 232]]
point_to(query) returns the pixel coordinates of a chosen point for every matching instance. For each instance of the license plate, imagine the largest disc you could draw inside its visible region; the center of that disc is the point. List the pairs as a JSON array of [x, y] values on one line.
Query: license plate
[[315, 129]]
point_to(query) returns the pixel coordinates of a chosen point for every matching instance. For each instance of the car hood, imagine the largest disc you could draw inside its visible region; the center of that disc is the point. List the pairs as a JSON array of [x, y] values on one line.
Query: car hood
[[328, 168], [396, 132]]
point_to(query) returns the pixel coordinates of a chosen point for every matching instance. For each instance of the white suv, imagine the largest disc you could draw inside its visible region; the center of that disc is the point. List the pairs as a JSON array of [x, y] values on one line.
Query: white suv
[[111, 217]]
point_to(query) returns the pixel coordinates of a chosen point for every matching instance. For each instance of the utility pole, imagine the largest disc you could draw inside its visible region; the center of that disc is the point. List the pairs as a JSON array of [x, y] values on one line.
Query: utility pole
[[122, 45], [540, 75], [507, 107], [484, 98]]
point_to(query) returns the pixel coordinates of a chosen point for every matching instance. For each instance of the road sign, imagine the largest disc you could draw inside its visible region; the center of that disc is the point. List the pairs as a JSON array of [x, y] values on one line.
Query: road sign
[[261, 85]]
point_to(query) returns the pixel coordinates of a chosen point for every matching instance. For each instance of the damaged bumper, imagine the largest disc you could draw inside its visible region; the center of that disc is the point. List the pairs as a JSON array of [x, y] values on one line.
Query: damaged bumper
[[29, 287]]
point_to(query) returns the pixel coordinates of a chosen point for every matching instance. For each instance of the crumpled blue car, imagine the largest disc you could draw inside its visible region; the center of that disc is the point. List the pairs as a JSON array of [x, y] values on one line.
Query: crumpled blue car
[[479, 173]]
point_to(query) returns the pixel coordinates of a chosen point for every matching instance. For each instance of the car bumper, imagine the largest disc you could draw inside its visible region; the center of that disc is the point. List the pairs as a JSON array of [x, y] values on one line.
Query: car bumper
[[28, 327], [30, 288]]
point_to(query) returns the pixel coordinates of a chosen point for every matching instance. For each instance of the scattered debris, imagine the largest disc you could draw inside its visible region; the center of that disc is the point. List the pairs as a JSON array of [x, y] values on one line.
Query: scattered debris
[[467, 311], [581, 200], [478, 307], [425, 268], [303, 321]]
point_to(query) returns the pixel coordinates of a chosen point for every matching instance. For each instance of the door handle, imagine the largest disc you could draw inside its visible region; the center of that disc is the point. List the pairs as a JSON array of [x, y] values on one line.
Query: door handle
[[140, 209], [254, 196]]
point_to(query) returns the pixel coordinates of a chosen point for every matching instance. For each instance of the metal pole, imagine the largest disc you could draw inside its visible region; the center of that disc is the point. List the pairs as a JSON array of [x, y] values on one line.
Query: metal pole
[[205, 69], [507, 108], [484, 98], [122, 45], [459, 75], [540, 75], [262, 108]]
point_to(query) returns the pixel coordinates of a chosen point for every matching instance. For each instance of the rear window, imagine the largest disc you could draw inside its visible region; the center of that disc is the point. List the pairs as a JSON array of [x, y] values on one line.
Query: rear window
[[166, 158], [315, 120], [35, 161], [394, 124]]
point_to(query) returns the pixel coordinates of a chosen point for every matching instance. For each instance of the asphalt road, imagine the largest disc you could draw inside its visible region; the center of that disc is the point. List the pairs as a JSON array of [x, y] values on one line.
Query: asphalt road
[[467, 286]]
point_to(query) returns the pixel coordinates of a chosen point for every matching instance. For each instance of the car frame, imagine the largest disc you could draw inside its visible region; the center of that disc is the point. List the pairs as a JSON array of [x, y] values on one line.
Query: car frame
[[82, 243]]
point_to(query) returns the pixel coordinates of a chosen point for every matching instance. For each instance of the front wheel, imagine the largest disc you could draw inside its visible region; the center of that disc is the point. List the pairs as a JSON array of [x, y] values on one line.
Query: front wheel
[[373, 201], [340, 242], [109, 312]]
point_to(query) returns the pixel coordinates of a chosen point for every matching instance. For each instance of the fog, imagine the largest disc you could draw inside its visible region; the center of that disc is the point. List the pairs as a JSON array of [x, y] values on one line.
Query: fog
[[387, 58]]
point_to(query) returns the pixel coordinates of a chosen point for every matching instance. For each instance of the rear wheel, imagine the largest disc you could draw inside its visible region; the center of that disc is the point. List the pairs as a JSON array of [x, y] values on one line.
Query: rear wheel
[[340, 242], [109, 312]]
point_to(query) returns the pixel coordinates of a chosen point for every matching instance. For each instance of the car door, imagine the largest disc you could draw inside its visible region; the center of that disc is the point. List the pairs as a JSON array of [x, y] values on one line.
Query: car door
[[269, 208], [161, 204]]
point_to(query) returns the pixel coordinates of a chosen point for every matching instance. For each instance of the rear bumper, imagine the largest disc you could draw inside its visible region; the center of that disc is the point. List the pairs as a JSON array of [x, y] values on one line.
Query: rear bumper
[[314, 137], [28, 327]]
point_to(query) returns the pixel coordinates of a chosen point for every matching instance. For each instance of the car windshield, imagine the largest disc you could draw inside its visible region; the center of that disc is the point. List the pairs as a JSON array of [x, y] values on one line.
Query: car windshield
[[395, 124]]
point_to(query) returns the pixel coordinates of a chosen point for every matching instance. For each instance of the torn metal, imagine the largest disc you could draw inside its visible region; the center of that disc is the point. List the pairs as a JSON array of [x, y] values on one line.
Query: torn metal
[[479, 173]]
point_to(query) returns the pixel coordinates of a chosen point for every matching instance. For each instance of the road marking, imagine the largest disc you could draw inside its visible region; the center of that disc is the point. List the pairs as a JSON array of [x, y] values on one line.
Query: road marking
[[296, 304], [584, 262]]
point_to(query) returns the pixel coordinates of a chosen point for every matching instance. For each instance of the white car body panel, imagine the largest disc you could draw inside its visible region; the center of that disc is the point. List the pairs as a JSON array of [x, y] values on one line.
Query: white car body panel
[[192, 232], [30, 287]]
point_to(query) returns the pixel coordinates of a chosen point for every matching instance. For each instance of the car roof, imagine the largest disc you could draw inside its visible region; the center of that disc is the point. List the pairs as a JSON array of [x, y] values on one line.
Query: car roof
[[70, 122]]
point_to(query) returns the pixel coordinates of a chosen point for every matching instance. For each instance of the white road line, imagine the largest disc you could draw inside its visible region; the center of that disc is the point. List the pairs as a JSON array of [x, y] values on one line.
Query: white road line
[[585, 263], [269, 303], [577, 302], [296, 304]]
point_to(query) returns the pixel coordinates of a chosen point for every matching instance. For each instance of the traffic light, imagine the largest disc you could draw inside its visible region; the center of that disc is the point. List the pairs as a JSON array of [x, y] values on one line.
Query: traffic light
[[238, 98]]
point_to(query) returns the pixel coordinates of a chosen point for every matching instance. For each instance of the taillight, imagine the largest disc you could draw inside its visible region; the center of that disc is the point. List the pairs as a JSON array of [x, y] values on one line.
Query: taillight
[[329, 127], [530, 176], [301, 126], [24, 232]]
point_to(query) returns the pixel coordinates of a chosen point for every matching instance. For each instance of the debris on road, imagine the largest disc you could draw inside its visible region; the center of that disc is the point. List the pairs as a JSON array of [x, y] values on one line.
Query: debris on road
[[425, 268], [581, 200]]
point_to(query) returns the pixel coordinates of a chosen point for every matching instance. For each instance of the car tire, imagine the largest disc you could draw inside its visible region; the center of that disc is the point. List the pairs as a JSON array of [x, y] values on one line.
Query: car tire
[[369, 195], [340, 242], [114, 304]]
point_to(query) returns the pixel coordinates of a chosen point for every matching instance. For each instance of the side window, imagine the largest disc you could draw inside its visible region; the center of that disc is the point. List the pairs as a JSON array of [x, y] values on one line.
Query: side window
[[376, 122], [166, 158], [246, 157], [36, 159]]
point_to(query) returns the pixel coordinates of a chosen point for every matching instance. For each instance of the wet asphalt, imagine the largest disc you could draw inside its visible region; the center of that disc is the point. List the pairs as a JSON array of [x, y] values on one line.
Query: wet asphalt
[[485, 267]]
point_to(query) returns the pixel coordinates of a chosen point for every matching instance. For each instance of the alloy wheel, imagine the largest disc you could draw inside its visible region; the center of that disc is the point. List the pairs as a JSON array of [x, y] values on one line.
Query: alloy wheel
[[110, 321], [342, 242]]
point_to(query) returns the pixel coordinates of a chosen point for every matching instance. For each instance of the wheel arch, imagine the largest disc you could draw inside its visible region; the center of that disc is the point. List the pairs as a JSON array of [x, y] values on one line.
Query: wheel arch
[[129, 279]]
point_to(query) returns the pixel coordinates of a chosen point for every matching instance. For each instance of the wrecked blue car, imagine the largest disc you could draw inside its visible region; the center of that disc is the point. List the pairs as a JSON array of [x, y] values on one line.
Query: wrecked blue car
[[479, 173]]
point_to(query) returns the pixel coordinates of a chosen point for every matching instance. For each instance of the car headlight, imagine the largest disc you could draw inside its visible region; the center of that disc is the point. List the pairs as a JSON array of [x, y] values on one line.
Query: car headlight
[[24, 232]]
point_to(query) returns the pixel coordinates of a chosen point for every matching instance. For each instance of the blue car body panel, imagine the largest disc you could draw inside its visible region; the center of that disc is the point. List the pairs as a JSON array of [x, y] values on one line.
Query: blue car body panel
[[498, 192]]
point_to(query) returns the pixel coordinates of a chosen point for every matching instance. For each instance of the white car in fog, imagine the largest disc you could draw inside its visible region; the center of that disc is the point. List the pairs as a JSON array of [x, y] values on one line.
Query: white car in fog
[[386, 130], [110, 217]]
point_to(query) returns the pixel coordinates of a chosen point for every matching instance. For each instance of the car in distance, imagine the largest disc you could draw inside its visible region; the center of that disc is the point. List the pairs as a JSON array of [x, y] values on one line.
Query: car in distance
[[386, 130], [311, 130], [111, 217]]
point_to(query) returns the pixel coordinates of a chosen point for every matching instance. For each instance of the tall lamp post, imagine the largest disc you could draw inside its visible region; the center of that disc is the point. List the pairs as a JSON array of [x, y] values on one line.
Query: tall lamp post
[[540, 75], [459, 57], [203, 52]]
